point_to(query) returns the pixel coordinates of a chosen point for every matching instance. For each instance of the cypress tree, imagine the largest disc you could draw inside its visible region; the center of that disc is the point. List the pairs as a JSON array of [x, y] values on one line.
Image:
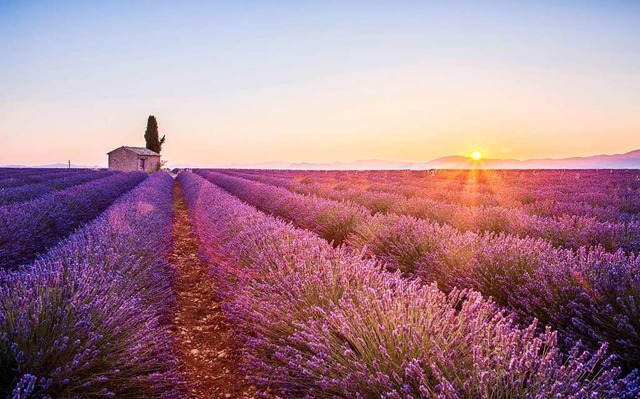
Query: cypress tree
[[151, 135]]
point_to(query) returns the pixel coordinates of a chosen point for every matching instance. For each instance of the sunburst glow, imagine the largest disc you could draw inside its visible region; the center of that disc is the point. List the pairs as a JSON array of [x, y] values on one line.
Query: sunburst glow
[[476, 155]]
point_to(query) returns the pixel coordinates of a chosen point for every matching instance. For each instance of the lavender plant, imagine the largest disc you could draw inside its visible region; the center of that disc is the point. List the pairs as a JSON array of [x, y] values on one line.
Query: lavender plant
[[589, 296], [89, 318], [571, 230], [31, 191], [15, 177], [353, 331], [331, 220], [29, 228], [526, 275]]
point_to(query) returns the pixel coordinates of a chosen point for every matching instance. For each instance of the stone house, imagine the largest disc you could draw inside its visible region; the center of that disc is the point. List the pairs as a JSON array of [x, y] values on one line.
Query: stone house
[[129, 159]]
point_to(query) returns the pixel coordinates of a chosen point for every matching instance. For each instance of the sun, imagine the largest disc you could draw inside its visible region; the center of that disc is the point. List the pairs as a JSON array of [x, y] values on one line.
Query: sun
[[476, 155]]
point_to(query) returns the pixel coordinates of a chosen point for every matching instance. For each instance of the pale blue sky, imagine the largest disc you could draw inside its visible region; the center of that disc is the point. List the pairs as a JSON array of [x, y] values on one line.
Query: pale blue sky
[[319, 81]]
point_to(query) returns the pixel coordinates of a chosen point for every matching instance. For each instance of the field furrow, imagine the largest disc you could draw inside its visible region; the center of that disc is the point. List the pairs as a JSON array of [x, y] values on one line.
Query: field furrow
[[204, 341]]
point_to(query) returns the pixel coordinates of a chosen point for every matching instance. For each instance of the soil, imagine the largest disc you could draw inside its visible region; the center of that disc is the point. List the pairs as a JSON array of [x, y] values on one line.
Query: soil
[[204, 342]]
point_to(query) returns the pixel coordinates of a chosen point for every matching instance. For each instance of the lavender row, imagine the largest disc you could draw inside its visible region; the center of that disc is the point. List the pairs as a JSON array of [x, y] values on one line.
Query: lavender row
[[17, 172], [31, 227], [351, 331], [30, 191], [331, 220], [512, 190], [588, 295], [21, 177], [89, 319], [540, 198], [6, 170], [566, 231], [602, 194]]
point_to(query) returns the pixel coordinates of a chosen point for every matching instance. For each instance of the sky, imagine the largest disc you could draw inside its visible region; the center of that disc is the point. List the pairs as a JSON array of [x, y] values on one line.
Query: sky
[[247, 82]]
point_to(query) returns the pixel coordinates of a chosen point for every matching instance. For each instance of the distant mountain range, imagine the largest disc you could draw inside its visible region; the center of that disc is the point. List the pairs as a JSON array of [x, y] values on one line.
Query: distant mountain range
[[629, 160]]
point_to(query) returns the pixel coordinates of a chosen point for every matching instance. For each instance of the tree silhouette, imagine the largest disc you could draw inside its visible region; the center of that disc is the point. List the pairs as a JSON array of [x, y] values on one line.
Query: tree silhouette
[[151, 135]]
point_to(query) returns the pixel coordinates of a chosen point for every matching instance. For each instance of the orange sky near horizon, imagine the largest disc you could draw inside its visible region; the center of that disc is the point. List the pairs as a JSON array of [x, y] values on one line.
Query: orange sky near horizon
[[417, 118]]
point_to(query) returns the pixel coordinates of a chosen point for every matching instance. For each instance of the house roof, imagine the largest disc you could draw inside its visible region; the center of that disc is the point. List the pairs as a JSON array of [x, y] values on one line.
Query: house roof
[[138, 151]]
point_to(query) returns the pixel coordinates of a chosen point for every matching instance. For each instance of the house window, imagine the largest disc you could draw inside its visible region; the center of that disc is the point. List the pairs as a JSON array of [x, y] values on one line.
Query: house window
[[142, 164]]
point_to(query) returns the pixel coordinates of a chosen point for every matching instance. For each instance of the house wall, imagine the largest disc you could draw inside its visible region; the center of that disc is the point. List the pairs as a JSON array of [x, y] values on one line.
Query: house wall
[[123, 160], [127, 161]]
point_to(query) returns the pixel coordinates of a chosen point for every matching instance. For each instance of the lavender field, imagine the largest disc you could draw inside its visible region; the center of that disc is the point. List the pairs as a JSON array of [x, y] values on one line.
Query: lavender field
[[332, 284]]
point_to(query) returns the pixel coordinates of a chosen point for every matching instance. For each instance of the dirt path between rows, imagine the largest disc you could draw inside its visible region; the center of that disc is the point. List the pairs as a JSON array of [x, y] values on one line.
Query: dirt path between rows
[[204, 342]]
